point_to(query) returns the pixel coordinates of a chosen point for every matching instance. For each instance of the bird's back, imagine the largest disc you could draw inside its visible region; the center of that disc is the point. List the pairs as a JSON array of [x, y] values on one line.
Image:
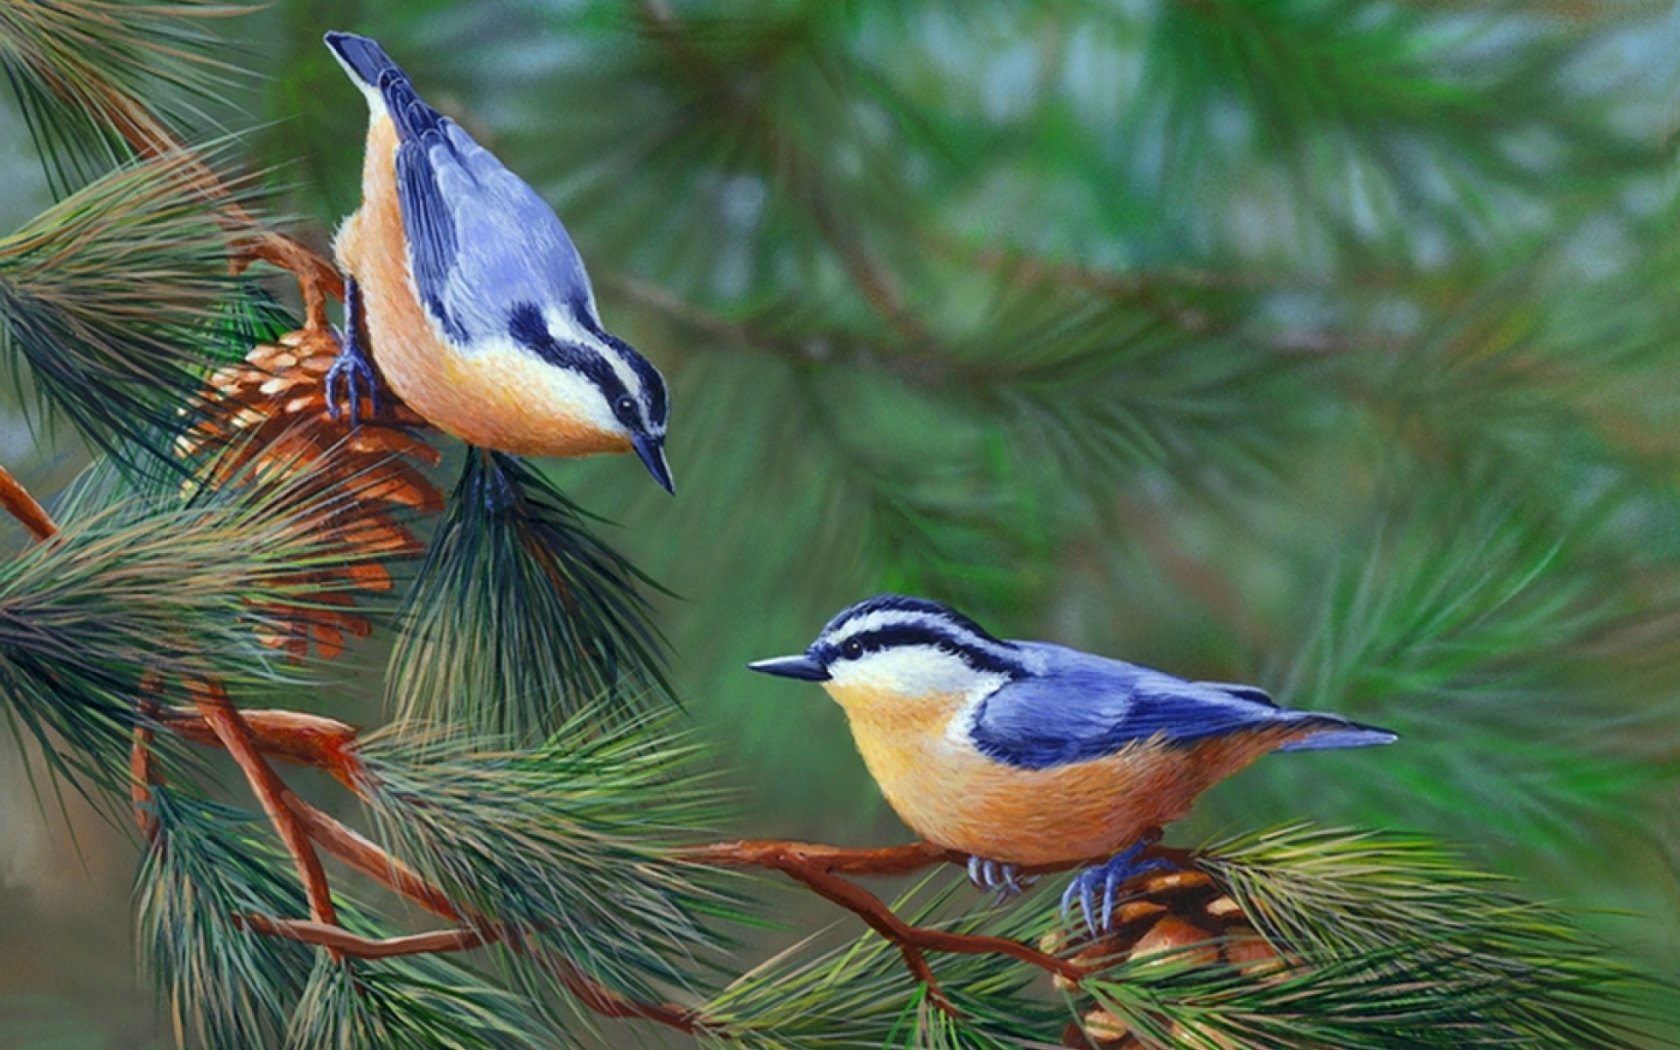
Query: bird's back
[[441, 217], [1079, 707], [481, 242]]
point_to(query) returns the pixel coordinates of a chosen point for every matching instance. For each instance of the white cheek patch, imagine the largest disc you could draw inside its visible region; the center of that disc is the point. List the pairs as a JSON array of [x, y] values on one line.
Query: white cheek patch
[[543, 382], [565, 328], [910, 671]]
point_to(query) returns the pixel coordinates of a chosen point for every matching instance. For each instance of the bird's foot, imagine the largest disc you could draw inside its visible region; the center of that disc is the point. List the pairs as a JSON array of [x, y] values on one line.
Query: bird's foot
[[354, 371], [1006, 879], [1106, 879]]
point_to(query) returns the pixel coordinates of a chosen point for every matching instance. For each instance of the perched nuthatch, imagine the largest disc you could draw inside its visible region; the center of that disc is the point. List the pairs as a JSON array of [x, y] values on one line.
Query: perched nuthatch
[[1027, 753], [471, 298]]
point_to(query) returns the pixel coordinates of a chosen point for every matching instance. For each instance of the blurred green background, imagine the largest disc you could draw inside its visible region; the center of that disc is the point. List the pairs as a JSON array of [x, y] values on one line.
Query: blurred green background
[[1329, 346]]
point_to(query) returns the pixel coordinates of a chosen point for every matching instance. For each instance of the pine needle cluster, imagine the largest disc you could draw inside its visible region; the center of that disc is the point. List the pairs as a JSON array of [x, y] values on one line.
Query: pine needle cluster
[[1320, 345]]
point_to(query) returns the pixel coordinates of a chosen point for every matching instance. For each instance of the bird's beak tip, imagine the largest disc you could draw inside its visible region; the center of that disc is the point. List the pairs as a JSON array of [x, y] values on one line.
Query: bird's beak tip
[[652, 453], [801, 667]]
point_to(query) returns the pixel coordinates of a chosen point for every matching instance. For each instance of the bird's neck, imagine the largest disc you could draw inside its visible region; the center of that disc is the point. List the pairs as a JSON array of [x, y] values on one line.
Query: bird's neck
[[879, 711]]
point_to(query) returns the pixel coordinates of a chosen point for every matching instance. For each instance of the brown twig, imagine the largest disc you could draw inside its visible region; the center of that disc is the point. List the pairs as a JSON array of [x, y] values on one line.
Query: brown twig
[[230, 729], [770, 853], [141, 769], [291, 736], [330, 745], [371, 860], [816, 866], [342, 941], [21, 505]]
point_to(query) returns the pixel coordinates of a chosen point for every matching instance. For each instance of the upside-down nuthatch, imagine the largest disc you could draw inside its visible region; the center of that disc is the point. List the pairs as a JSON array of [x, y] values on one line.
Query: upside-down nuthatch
[[471, 298], [1027, 753]]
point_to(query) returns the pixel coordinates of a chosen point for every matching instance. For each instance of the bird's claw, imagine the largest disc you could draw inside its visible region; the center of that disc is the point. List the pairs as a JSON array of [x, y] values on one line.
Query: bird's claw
[[1109, 878], [352, 368], [1006, 879]]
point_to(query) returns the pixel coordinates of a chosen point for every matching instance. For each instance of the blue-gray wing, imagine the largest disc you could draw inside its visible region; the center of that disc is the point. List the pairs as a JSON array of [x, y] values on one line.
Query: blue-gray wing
[[481, 241], [1083, 707]]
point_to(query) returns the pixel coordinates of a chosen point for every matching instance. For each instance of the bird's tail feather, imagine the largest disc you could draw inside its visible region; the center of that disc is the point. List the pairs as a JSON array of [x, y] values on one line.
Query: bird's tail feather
[[362, 57], [1332, 731]]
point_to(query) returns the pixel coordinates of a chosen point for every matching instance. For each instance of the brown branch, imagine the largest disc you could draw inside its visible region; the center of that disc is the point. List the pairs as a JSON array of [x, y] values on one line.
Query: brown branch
[[815, 866], [22, 506], [342, 941], [880, 918], [272, 793], [291, 736], [142, 770], [330, 745], [371, 860], [316, 277], [772, 853]]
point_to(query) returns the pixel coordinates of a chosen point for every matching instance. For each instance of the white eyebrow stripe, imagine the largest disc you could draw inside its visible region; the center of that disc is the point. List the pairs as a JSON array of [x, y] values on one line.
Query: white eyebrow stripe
[[564, 327], [884, 618]]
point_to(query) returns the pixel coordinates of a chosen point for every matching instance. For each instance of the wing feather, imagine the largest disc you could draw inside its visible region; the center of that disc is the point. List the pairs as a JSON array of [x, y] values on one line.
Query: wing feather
[[1084, 707], [480, 240]]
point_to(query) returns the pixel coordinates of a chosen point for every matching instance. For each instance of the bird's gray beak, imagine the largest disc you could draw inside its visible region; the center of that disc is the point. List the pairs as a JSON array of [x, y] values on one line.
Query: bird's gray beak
[[652, 451], [801, 667]]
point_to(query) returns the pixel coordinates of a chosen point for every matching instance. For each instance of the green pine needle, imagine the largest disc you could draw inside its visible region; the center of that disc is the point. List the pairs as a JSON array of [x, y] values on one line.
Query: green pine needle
[[417, 1002], [225, 986], [521, 617], [570, 843], [861, 995], [79, 68], [1392, 943], [104, 299], [142, 582]]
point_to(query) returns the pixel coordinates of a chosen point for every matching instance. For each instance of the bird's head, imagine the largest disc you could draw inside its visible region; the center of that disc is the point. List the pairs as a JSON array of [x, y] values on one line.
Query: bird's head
[[608, 385], [892, 649]]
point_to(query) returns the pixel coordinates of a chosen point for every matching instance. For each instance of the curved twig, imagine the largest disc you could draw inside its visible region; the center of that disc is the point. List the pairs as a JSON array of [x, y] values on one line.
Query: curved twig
[[224, 720], [342, 941], [371, 860], [21, 505]]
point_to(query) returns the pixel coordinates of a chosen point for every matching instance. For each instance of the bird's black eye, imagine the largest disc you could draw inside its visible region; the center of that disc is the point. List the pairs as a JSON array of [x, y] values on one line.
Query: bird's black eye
[[625, 408], [852, 649]]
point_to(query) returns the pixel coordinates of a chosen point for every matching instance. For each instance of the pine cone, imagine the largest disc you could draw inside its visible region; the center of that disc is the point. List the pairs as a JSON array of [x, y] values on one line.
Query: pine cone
[[1165, 911], [268, 420]]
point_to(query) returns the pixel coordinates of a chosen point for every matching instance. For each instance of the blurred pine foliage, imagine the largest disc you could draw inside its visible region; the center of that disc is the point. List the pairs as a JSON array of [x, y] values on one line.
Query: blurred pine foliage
[[1326, 345]]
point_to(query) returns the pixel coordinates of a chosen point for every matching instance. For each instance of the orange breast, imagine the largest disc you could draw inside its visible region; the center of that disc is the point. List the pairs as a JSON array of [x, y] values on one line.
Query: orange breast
[[951, 794], [500, 397]]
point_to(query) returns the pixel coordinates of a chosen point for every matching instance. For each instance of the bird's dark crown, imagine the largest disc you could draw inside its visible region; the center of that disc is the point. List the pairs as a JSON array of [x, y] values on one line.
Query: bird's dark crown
[[890, 621]]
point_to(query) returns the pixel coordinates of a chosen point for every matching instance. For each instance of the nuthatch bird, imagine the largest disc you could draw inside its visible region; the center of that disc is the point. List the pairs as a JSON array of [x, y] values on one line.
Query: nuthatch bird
[[1024, 754], [470, 296]]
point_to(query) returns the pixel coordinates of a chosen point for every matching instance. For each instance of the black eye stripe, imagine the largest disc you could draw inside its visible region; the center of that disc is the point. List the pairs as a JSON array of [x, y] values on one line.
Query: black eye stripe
[[899, 635], [527, 327], [653, 384]]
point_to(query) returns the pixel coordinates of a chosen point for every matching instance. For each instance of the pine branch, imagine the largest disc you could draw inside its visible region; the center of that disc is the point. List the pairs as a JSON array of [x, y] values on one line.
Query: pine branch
[[407, 1001], [375, 863], [60, 62], [17, 502], [205, 864], [342, 942], [521, 616], [815, 866], [234, 735], [82, 69], [291, 736]]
